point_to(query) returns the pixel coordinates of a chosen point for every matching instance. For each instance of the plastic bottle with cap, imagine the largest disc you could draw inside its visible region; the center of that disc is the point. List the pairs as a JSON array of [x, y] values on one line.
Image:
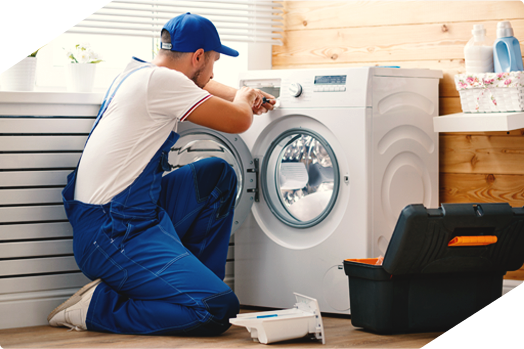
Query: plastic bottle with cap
[[506, 50], [479, 51]]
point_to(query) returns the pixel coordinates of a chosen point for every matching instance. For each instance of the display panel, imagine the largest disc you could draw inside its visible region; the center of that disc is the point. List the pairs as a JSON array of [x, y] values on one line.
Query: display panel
[[274, 91], [330, 80], [271, 86]]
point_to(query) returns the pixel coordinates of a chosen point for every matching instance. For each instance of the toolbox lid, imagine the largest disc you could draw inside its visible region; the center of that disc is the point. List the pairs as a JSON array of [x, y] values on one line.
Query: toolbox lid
[[475, 237]]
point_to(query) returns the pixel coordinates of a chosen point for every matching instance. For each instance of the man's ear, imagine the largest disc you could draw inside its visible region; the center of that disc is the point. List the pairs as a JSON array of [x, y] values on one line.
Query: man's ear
[[198, 58]]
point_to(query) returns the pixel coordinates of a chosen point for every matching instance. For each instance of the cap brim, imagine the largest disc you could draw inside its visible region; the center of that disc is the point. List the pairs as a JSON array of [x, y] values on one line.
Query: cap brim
[[227, 51]]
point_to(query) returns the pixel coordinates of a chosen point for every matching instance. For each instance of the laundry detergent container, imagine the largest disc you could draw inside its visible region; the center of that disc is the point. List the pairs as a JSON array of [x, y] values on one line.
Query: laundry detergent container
[[441, 266]]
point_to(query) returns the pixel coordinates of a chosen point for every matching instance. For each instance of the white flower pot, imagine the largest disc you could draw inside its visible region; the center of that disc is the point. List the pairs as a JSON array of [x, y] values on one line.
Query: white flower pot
[[20, 77], [80, 77]]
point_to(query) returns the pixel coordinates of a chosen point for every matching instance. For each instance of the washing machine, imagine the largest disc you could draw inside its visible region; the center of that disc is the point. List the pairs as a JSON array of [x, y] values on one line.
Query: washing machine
[[324, 176]]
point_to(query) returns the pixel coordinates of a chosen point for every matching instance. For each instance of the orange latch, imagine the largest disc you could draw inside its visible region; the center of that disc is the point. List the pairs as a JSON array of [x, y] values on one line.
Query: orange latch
[[482, 240], [370, 261]]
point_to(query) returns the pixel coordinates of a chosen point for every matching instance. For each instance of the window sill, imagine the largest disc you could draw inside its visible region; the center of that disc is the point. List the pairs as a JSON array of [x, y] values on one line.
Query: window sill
[[44, 103], [51, 97]]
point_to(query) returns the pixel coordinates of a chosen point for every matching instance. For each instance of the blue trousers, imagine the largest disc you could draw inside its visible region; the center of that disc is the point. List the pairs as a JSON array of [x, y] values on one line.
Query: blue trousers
[[160, 248]]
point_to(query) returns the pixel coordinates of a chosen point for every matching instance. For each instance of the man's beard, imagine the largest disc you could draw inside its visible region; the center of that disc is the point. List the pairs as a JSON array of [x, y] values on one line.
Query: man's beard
[[196, 76]]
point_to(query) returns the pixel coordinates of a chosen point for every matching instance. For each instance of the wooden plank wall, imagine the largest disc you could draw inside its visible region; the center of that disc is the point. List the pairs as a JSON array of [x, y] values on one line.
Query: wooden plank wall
[[474, 167]]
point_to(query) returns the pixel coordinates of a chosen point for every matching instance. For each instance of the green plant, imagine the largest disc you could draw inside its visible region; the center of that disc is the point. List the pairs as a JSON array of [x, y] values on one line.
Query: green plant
[[20, 44]]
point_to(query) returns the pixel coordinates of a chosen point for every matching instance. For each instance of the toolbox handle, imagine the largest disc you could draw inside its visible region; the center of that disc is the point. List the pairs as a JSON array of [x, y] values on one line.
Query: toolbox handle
[[482, 240]]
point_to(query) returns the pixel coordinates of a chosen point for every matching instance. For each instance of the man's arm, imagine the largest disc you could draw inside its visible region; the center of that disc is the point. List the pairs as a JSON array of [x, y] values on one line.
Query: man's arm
[[220, 90], [222, 115]]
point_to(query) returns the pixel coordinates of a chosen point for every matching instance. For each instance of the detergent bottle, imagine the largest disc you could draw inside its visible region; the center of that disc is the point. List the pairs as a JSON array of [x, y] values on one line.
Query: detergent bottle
[[479, 52], [506, 50]]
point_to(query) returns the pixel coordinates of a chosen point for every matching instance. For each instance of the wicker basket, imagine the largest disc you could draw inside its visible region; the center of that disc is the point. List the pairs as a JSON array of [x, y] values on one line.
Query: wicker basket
[[491, 92]]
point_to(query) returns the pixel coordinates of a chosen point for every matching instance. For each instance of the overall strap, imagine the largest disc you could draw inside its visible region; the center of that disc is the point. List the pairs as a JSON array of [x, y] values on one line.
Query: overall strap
[[107, 100]]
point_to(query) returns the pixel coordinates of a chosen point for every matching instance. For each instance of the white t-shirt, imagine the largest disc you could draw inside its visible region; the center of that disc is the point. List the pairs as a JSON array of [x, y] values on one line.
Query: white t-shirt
[[137, 122]]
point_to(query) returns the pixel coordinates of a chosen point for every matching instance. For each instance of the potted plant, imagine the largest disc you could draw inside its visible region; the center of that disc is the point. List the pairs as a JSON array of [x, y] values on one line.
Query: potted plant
[[81, 69], [18, 60]]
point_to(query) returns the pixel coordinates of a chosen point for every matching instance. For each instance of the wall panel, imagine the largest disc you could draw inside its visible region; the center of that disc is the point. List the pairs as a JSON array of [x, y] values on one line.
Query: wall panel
[[377, 44], [306, 15], [468, 187], [481, 154]]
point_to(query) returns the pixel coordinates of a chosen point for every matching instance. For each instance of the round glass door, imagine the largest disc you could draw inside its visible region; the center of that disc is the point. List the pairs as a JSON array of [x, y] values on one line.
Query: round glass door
[[300, 178]]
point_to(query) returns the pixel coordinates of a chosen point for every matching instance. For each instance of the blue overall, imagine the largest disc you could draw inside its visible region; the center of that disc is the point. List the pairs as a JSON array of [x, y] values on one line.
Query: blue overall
[[160, 247]]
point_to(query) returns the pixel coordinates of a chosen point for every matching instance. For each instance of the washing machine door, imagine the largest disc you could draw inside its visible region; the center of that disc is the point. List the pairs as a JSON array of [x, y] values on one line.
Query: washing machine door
[[198, 142], [300, 178], [302, 202]]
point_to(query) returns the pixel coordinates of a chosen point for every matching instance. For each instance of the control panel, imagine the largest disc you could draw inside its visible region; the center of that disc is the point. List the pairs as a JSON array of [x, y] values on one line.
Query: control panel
[[312, 89]]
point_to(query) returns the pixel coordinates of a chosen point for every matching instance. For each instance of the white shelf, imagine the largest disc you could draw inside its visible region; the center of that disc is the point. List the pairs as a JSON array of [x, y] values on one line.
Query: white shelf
[[479, 122]]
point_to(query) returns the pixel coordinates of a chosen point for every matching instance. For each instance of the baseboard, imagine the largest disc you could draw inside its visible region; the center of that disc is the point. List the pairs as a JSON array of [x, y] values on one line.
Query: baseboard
[[30, 309], [513, 297]]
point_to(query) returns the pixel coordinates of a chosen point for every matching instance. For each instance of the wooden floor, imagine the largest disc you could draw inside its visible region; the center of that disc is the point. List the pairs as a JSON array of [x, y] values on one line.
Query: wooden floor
[[339, 333]]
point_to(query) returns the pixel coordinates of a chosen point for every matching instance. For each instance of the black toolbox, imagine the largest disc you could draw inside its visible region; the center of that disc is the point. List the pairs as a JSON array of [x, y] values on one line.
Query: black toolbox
[[441, 266]]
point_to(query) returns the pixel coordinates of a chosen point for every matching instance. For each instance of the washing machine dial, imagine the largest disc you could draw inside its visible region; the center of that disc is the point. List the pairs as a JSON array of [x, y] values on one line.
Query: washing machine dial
[[295, 89]]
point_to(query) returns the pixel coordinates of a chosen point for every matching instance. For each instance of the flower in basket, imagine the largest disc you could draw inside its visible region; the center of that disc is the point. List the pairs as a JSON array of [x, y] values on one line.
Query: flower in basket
[[20, 45], [82, 53]]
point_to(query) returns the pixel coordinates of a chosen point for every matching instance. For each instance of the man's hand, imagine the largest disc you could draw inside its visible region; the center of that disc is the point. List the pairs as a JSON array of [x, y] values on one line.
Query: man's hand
[[263, 103], [246, 95], [259, 101]]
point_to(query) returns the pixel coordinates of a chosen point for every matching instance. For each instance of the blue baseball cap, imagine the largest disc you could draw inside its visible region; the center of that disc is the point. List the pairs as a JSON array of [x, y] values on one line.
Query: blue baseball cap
[[191, 32]]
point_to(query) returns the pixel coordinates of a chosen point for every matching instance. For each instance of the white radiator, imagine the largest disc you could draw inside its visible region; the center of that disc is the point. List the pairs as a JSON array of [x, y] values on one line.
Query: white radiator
[[42, 135], [41, 138]]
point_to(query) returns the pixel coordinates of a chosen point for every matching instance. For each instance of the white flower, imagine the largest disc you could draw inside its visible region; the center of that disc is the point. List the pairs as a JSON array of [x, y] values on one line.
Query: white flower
[[83, 57], [94, 56], [82, 53]]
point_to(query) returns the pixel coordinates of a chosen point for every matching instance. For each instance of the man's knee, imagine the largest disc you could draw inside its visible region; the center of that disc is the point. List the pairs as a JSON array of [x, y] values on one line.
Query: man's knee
[[214, 173], [223, 306]]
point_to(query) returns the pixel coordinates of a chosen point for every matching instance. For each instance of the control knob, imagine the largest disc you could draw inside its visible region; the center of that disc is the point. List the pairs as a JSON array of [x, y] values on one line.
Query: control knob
[[295, 89]]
